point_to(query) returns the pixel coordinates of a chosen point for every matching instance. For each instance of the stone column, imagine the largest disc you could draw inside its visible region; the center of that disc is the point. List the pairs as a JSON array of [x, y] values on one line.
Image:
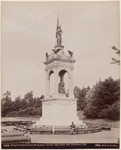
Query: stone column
[[47, 86], [56, 83], [71, 94]]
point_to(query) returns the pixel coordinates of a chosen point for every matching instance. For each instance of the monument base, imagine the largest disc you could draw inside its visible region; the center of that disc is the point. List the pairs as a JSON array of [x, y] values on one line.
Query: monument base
[[58, 122], [59, 111]]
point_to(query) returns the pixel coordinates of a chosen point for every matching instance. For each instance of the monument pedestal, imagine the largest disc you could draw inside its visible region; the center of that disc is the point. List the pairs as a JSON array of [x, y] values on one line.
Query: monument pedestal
[[59, 111]]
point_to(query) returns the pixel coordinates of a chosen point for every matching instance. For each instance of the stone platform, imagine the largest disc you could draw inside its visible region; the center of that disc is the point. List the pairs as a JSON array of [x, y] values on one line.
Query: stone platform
[[59, 111]]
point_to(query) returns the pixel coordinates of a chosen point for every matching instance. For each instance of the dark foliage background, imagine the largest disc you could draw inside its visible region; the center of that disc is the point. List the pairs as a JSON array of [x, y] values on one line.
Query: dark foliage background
[[101, 101], [27, 106]]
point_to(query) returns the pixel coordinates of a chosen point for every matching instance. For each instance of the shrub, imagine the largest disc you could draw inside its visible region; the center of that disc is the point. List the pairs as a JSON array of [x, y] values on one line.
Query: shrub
[[114, 111], [91, 112], [104, 113]]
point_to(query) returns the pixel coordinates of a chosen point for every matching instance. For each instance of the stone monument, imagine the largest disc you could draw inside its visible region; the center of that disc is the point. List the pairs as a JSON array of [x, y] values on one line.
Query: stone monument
[[59, 108]]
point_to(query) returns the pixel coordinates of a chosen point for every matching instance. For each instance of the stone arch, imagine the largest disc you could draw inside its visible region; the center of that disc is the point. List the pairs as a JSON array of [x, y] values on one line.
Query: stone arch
[[55, 74], [51, 81], [50, 73], [62, 72], [63, 69]]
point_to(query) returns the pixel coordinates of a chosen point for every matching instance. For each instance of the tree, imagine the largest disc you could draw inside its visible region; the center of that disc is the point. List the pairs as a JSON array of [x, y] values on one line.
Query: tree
[[27, 106], [17, 103], [6, 103], [114, 60], [28, 99], [80, 94], [102, 99], [38, 102]]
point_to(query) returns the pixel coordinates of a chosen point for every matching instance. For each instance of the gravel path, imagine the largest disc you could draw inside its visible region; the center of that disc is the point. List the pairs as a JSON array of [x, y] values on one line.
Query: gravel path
[[99, 137]]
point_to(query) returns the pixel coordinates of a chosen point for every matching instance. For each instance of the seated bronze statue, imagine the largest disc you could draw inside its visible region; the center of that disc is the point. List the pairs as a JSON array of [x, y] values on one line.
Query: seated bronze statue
[[61, 88]]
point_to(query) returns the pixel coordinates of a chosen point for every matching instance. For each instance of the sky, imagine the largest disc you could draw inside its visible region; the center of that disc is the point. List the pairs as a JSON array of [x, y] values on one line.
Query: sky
[[90, 29]]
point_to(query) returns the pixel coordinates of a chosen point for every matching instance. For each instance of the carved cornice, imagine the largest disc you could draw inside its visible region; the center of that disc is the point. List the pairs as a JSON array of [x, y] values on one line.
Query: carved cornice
[[59, 60], [59, 65], [59, 99]]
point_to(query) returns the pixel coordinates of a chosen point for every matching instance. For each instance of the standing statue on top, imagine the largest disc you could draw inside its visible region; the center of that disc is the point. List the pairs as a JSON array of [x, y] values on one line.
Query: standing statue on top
[[59, 34]]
